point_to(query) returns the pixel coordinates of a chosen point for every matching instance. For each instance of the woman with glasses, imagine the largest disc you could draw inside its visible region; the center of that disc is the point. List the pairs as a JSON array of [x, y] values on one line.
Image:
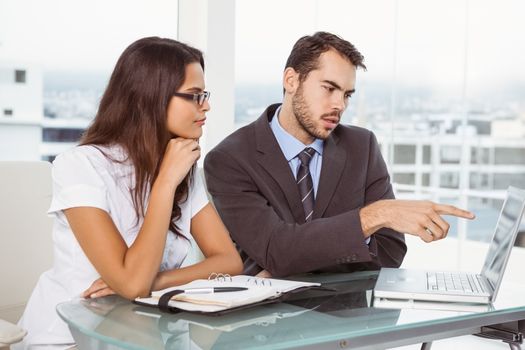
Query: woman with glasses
[[128, 199]]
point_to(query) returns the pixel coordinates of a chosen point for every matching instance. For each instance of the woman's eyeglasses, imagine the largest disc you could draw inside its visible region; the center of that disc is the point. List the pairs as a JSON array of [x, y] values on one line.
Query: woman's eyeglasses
[[199, 98]]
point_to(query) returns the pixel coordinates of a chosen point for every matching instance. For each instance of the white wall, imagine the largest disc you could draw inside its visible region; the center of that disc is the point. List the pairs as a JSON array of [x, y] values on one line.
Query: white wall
[[25, 99], [20, 141], [209, 25], [21, 132]]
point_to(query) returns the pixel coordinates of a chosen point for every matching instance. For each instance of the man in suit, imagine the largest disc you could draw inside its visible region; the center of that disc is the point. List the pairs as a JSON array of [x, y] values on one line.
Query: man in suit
[[299, 192]]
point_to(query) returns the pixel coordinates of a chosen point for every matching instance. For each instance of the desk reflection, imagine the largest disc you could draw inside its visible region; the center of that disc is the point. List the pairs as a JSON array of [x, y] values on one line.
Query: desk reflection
[[347, 305]]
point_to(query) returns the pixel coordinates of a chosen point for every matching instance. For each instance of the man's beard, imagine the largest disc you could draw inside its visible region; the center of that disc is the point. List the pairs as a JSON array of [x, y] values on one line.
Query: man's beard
[[303, 115]]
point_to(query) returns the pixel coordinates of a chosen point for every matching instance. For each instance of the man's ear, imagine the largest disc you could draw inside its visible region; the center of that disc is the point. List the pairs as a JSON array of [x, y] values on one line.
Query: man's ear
[[290, 80]]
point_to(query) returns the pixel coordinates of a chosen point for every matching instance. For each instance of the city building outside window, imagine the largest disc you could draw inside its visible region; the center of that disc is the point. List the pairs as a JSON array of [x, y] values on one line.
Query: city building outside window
[[20, 76], [451, 125]]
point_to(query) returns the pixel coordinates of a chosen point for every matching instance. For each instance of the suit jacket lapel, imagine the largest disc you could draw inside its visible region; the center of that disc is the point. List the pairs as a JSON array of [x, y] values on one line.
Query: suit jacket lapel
[[271, 158], [334, 159]]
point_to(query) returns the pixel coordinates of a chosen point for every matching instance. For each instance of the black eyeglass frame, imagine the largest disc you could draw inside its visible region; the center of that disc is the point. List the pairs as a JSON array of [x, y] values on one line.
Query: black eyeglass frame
[[199, 98]]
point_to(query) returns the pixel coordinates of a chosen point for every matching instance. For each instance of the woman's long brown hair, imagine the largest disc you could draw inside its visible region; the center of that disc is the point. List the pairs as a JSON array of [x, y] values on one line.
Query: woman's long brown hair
[[133, 111]]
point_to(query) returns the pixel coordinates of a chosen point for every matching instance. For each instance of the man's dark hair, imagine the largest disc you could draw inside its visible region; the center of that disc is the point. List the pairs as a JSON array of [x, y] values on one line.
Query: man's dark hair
[[304, 57]]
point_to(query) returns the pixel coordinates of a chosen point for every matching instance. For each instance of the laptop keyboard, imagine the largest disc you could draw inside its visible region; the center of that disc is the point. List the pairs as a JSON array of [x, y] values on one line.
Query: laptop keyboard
[[454, 282]]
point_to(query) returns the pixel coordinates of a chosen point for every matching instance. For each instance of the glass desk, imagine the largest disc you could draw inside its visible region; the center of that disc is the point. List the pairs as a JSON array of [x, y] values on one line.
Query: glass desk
[[345, 318]]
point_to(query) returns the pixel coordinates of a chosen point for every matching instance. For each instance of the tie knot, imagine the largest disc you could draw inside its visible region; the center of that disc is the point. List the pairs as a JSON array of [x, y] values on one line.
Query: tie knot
[[306, 155]]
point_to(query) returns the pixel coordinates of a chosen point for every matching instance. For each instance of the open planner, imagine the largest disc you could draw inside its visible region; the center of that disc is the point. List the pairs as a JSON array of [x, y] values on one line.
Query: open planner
[[231, 293]]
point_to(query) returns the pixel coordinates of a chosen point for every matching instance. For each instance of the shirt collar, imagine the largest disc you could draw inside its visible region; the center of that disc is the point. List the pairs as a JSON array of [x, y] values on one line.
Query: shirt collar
[[291, 146]]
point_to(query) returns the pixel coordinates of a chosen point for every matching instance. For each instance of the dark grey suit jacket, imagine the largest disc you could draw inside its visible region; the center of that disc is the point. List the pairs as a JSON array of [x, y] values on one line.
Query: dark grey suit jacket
[[255, 193]]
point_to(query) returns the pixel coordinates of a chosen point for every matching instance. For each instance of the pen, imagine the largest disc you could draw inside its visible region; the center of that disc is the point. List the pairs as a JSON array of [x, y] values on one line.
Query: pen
[[213, 290]]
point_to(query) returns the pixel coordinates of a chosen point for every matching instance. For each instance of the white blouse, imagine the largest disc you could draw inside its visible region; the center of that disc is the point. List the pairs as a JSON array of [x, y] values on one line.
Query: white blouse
[[86, 176]]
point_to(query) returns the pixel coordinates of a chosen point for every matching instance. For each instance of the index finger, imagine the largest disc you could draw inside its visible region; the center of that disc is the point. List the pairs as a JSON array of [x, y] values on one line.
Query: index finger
[[89, 291], [444, 209], [94, 287]]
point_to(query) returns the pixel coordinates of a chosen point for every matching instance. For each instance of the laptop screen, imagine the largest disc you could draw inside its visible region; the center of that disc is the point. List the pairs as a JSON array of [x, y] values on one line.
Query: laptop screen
[[504, 237]]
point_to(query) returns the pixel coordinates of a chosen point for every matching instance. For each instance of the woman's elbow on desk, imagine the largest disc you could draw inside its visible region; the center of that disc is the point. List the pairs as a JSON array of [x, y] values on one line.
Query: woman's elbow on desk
[[132, 292], [135, 289]]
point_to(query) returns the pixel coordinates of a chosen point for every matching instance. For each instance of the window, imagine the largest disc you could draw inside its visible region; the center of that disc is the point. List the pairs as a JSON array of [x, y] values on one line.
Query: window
[[479, 155], [20, 76], [449, 180], [405, 178], [61, 135], [507, 155], [425, 179], [424, 94], [404, 154], [479, 181], [450, 154], [55, 88], [502, 180], [427, 155]]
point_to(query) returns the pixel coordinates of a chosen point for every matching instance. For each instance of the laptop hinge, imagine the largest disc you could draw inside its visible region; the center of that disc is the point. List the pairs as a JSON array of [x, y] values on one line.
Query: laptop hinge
[[487, 285]]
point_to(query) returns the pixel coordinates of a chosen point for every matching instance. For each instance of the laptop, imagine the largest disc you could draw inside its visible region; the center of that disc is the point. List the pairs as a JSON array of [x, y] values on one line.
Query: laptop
[[460, 286]]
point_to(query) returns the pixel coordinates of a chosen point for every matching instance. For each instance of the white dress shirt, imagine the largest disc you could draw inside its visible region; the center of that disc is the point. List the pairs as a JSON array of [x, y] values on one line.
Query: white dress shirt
[[84, 176]]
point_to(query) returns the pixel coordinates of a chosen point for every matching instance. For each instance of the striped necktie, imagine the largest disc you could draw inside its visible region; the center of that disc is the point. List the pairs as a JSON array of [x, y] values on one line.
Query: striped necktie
[[305, 183]]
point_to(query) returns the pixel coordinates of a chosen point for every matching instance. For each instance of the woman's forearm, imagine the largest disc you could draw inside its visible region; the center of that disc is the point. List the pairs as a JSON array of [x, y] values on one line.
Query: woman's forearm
[[220, 263], [144, 256]]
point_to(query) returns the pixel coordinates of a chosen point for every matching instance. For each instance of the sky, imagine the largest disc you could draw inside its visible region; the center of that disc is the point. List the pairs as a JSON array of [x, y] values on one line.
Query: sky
[[429, 42], [78, 34]]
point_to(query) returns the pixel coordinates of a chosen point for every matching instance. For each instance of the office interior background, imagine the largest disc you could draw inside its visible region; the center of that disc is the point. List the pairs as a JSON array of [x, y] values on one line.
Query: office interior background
[[444, 91]]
